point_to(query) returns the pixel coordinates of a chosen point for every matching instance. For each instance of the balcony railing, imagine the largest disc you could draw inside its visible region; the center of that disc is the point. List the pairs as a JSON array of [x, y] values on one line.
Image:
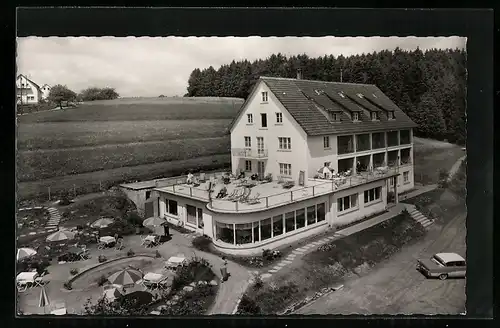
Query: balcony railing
[[249, 152]]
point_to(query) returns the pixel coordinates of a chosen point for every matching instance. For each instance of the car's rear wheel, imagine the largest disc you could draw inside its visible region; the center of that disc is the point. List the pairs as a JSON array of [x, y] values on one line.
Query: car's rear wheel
[[443, 276]]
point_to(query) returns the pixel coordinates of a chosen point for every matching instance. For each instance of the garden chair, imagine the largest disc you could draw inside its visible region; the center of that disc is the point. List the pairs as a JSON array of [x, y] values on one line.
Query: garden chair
[[232, 194], [162, 284], [202, 177], [246, 195], [281, 180], [240, 194], [21, 287], [39, 280], [101, 246], [254, 199], [235, 195], [143, 240]]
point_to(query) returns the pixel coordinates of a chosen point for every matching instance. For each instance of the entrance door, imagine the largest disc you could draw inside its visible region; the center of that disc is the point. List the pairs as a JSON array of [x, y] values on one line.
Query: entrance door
[[148, 209], [260, 146], [261, 169]]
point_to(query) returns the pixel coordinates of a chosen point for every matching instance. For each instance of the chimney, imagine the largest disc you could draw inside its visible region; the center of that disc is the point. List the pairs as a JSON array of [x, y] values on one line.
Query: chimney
[[299, 74]]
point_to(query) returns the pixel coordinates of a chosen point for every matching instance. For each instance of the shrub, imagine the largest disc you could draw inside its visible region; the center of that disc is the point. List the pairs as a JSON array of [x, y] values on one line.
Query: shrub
[[131, 252], [443, 178], [248, 306], [68, 257], [101, 280], [68, 285], [134, 219], [37, 262], [202, 243], [64, 199], [73, 271], [258, 283], [197, 269], [102, 258]]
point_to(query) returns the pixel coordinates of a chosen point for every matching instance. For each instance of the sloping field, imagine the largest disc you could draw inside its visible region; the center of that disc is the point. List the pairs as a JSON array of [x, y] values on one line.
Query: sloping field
[[430, 156], [35, 165], [114, 110], [58, 135], [101, 180], [102, 143]]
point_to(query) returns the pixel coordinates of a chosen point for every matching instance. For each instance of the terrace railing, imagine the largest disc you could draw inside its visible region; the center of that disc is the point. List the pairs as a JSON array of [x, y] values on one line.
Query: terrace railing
[[345, 149], [249, 152], [320, 188]]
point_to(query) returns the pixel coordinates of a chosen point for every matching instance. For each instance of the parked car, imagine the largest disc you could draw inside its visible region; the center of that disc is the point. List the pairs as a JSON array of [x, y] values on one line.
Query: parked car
[[442, 266]]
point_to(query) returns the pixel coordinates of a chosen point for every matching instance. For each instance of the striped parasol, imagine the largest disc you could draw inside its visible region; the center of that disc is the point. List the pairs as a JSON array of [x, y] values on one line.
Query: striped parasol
[[153, 221], [125, 277], [44, 299], [61, 235], [102, 223], [24, 252]]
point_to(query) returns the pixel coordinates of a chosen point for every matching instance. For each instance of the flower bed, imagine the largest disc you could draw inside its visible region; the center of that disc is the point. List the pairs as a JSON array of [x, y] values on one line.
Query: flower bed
[[29, 220]]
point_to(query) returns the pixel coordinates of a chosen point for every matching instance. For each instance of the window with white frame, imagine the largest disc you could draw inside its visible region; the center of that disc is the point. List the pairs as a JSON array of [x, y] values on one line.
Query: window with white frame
[[171, 207], [373, 194], [355, 116], [264, 96], [406, 177], [279, 117], [285, 143], [392, 115], [248, 142], [335, 117], [392, 181], [375, 116], [326, 142], [347, 202], [248, 166], [250, 118], [285, 169]]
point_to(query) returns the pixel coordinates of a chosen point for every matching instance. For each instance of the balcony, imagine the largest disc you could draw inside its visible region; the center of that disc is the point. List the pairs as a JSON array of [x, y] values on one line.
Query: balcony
[[249, 153]]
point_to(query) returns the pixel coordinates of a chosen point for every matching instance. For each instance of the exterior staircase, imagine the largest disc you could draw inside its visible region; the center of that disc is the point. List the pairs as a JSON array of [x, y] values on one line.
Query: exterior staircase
[[55, 217], [418, 216]]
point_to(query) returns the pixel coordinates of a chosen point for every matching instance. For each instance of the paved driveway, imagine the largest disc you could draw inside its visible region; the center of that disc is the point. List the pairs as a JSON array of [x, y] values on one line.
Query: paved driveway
[[395, 287]]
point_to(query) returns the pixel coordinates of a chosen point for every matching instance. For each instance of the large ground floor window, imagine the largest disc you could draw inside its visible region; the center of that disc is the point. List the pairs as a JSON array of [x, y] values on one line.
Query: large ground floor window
[[269, 228], [171, 207], [194, 216]]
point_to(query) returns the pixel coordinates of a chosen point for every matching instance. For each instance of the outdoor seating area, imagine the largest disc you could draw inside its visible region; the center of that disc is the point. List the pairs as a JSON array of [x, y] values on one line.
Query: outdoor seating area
[[239, 193]]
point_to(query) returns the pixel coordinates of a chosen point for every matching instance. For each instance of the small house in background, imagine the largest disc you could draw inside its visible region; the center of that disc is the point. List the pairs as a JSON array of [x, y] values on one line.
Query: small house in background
[[27, 91], [140, 194]]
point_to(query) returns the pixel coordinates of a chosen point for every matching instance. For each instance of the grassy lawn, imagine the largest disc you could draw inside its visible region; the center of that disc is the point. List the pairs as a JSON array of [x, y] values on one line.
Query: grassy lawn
[[349, 256], [101, 180], [145, 110], [442, 205], [430, 156]]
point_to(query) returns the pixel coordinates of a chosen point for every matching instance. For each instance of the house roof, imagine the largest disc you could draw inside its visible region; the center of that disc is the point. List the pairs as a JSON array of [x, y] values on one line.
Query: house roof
[[310, 101], [36, 85], [43, 86]]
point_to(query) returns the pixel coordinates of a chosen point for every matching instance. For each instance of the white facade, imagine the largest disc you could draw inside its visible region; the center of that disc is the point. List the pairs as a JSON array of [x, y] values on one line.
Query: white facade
[[27, 91], [280, 124], [306, 153]]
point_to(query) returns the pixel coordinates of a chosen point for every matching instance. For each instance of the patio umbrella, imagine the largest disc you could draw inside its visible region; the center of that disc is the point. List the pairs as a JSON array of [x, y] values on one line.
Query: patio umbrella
[[24, 252], [61, 235], [153, 221], [125, 277], [101, 223]]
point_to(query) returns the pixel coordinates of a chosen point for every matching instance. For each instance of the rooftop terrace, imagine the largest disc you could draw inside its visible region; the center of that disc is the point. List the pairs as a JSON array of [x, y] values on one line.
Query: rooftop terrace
[[267, 195]]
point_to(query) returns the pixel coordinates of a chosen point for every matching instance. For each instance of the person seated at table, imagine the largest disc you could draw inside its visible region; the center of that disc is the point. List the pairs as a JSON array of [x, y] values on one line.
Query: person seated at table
[[190, 178], [222, 193]]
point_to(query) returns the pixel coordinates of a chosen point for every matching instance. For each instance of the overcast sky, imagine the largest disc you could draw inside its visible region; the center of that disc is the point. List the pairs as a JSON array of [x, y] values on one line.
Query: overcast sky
[[153, 66]]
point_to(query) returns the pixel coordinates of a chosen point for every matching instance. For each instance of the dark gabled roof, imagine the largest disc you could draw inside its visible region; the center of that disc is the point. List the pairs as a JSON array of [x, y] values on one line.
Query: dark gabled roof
[[36, 85], [300, 98]]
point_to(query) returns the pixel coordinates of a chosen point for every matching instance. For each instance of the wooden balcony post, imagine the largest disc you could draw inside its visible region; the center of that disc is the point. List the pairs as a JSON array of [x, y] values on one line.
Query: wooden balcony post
[[267, 201], [291, 196], [313, 190]]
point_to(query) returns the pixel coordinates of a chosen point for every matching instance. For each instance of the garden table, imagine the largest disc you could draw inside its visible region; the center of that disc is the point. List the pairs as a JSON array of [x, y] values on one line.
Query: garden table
[[152, 279], [107, 240], [26, 278], [174, 262]]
